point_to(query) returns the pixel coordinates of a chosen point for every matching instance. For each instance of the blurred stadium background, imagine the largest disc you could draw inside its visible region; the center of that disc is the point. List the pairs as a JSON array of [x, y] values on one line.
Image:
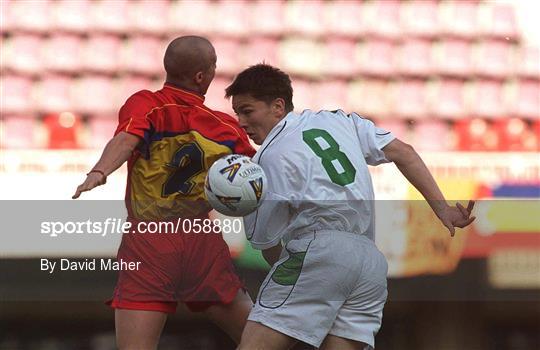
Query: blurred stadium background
[[460, 80]]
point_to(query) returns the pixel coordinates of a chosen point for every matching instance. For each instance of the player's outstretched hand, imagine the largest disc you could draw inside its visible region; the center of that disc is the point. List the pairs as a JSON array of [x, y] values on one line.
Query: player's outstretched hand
[[457, 216], [92, 180]]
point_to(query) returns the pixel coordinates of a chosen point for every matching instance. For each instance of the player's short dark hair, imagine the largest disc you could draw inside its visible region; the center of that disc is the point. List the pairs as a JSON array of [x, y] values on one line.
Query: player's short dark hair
[[263, 82]]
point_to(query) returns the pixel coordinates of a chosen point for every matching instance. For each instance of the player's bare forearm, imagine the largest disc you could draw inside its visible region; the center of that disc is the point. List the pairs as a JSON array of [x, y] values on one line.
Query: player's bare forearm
[[116, 152], [415, 170]]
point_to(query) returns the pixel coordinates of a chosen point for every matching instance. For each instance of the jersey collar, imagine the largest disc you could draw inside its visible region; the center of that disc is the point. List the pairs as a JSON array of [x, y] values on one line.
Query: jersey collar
[[185, 95], [277, 129]]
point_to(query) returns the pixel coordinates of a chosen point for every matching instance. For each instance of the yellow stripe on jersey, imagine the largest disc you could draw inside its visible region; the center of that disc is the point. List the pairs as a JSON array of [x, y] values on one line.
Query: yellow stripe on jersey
[[170, 183]]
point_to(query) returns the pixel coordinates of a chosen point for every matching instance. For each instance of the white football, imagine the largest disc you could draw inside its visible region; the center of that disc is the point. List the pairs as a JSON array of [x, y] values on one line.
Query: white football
[[235, 186]]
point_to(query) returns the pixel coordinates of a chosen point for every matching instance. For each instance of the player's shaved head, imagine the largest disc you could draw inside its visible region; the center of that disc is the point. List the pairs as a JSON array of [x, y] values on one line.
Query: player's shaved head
[[186, 56]]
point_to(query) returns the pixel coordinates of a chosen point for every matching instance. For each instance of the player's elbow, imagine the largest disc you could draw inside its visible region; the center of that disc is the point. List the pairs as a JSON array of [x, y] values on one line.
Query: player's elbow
[[399, 152]]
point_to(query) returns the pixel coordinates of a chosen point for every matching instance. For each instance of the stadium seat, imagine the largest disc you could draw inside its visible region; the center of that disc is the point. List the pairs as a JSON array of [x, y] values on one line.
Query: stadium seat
[[215, 97], [126, 86], [71, 16], [311, 14], [369, 97], [453, 57], [101, 53], [53, 93], [16, 94], [30, 15], [448, 98], [63, 53], [338, 57], [93, 94], [300, 56], [18, 132], [5, 17], [524, 98], [110, 16], [267, 17], [233, 17], [419, 18], [498, 19], [331, 95], [63, 130], [344, 18], [486, 99], [185, 16], [432, 135], [409, 98], [415, 57], [303, 95], [22, 53], [261, 49], [101, 129], [515, 135], [229, 55], [143, 55], [147, 16], [494, 58], [382, 18], [476, 135], [528, 61], [376, 57], [459, 18]]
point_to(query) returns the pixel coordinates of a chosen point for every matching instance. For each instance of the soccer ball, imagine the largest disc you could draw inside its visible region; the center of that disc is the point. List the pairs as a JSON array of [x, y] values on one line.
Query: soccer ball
[[235, 186]]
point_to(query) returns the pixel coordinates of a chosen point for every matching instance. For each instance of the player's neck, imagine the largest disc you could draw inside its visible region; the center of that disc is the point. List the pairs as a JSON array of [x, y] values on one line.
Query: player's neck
[[184, 86]]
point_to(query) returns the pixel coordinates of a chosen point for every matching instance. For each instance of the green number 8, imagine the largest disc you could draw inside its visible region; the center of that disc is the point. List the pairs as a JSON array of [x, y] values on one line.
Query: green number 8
[[329, 154]]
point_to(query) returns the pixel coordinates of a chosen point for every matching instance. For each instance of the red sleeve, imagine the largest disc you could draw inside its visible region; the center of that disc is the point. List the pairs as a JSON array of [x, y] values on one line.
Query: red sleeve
[[132, 117]]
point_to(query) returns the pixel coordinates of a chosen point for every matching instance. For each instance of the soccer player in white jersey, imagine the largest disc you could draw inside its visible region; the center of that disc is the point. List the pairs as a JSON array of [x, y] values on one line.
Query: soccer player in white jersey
[[327, 285]]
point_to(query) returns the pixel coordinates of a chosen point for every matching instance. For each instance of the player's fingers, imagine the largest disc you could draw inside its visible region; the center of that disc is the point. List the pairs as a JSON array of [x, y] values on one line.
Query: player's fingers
[[77, 193], [461, 208], [466, 223], [450, 228], [470, 206]]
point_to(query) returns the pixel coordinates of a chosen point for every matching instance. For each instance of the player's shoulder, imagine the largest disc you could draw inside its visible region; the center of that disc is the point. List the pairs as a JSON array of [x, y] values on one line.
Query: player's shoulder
[[220, 116], [142, 98]]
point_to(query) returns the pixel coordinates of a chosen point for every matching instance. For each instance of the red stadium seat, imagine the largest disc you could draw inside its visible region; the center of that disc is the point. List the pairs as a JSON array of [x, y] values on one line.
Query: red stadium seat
[[383, 18], [486, 99], [498, 20], [453, 57], [62, 53], [101, 53], [30, 15], [215, 97], [229, 58], [143, 55], [459, 18], [267, 17], [476, 135], [53, 94], [432, 135], [410, 98], [16, 94], [344, 18], [18, 132], [331, 95], [376, 57], [71, 16], [304, 17], [515, 135], [301, 56], [259, 49], [63, 130], [127, 86], [524, 98], [93, 94], [339, 57], [303, 95], [448, 99], [101, 129], [420, 18], [369, 97], [148, 16], [494, 58], [22, 53], [233, 17], [528, 63], [185, 16], [415, 57], [110, 16]]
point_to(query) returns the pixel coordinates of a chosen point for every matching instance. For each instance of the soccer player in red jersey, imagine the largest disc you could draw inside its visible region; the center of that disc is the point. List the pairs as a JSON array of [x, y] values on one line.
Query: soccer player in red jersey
[[170, 139]]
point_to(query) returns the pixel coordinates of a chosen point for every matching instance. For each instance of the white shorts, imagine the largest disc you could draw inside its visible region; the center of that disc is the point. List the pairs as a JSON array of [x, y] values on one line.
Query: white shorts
[[326, 282]]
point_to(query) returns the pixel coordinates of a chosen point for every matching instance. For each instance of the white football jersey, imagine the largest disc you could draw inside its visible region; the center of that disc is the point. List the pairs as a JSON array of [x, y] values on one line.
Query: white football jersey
[[318, 179]]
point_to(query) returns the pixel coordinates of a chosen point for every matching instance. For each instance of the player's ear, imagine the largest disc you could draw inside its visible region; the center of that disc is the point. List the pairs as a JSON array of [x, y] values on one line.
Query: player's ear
[[199, 77], [278, 106]]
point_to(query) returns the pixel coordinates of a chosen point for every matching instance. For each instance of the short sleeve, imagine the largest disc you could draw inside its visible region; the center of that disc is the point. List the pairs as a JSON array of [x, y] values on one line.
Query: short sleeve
[[132, 117], [372, 140]]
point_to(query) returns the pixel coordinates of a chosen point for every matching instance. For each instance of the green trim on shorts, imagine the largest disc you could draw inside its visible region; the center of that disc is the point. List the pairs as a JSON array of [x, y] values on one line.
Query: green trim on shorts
[[287, 273]]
